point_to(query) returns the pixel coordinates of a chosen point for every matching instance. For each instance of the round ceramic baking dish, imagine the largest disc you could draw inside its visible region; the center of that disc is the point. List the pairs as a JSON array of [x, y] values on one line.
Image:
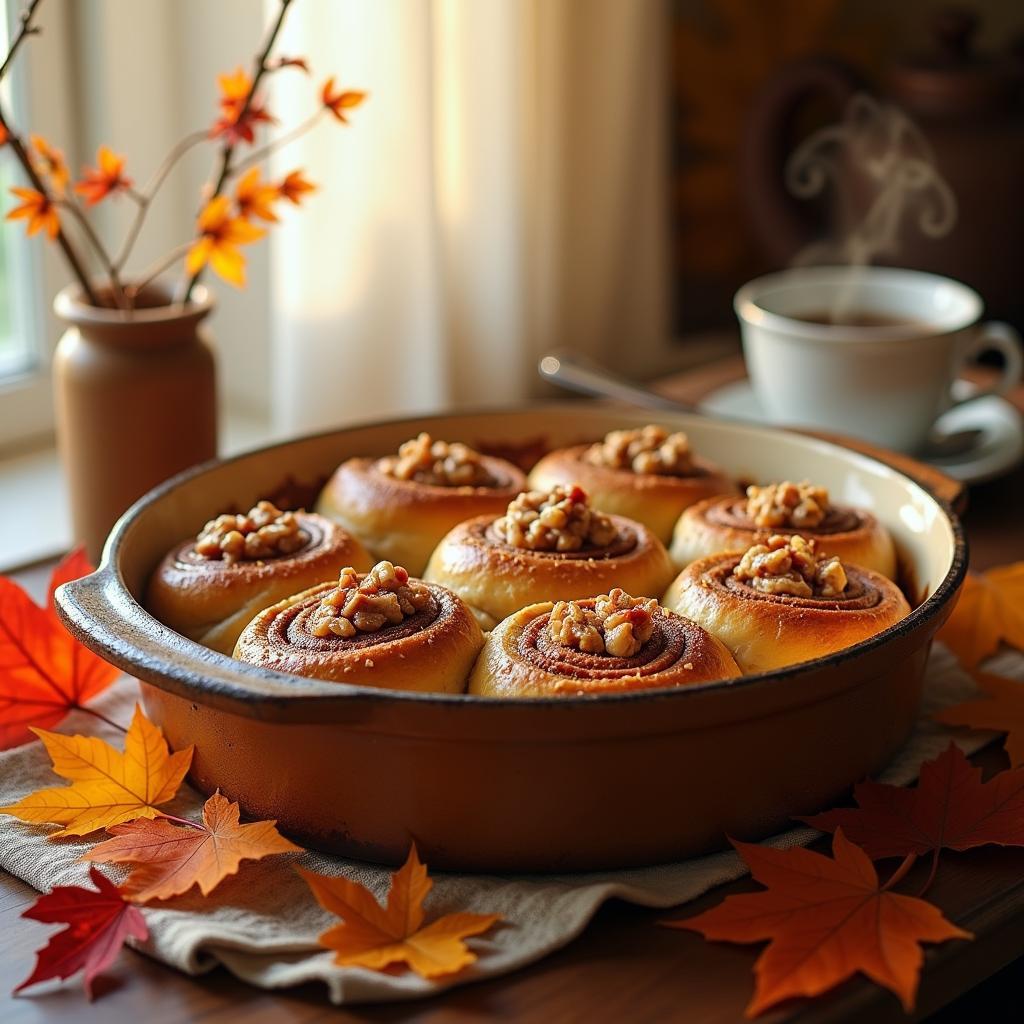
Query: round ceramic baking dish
[[529, 785]]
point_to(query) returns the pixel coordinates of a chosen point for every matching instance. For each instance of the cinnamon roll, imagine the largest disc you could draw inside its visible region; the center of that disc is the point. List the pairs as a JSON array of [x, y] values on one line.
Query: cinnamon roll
[[608, 644], [400, 506], [779, 603], [734, 524], [549, 546], [379, 629], [208, 587], [648, 475]]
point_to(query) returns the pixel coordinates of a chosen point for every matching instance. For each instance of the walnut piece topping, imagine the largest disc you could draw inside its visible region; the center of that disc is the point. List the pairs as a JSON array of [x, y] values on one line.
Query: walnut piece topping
[[651, 449], [427, 461], [787, 504], [557, 520], [790, 565], [618, 624], [263, 532], [384, 596]]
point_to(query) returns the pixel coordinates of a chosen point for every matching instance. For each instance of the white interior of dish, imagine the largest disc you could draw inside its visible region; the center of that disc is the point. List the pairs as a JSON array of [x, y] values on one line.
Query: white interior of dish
[[920, 529]]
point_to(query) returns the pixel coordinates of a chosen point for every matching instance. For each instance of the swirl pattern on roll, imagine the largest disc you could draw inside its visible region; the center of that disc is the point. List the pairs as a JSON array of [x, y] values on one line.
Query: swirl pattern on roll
[[431, 650], [521, 659]]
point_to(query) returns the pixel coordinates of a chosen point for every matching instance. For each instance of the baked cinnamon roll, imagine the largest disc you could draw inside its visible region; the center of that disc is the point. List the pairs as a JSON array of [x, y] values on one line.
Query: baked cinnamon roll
[[549, 546], [779, 603], [648, 475], [208, 587], [608, 644], [379, 629], [400, 506], [735, 523]]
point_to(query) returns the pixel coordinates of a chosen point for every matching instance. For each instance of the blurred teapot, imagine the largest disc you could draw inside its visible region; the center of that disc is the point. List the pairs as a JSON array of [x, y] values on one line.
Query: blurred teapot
[[968, 108]]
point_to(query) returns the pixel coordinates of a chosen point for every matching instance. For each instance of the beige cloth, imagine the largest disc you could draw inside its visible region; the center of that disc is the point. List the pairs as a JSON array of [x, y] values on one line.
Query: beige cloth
[[263, 923]]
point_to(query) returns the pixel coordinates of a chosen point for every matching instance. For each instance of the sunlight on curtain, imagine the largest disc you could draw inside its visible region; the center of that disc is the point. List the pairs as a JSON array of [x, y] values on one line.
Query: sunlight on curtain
[[501, 192]]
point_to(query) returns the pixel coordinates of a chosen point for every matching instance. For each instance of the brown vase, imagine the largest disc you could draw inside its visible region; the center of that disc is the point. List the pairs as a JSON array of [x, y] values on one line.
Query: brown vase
[[135, 400]]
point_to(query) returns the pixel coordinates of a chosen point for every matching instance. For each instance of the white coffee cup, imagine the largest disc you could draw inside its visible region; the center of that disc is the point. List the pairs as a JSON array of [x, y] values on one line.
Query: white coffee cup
[[884, 383]]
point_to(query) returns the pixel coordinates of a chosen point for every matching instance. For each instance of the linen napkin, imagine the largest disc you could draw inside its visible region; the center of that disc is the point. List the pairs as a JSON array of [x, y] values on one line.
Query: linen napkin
[[262, 924]]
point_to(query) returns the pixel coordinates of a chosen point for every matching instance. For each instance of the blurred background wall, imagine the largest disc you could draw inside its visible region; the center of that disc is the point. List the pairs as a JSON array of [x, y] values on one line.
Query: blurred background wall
[[526, 174]]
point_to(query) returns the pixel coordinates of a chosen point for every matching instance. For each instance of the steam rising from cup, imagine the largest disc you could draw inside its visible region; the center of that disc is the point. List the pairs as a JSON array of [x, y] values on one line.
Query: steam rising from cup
[[875, 149]]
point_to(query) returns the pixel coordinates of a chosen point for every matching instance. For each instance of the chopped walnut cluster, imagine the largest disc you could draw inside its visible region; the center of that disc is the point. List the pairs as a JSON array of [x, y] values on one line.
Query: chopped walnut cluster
[[437, 462], [263, 532], [557, 520], [383, 597], [651, 449], [787, 504], [618, 624], [790, 565]]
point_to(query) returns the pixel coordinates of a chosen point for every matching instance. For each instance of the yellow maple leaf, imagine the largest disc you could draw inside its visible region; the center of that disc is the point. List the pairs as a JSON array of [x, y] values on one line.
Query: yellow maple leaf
[[107, 786], [990, 610], [374, 936]]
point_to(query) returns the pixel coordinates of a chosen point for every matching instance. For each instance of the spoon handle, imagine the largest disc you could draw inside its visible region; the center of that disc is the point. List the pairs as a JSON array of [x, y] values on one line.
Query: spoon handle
[[575, 374]]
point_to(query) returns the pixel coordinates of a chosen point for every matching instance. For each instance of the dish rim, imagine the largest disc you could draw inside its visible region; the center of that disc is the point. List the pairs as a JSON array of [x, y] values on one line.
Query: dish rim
[[192, 657]]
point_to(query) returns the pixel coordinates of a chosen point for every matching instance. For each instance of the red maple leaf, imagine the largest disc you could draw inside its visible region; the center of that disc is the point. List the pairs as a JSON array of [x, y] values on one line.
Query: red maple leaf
[[44, 671], [99, 920], [950, 808]]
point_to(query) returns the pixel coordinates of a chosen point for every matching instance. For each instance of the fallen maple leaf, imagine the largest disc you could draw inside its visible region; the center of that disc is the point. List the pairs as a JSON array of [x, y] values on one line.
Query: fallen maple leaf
[[44, 671], [990, 610], [98, 923], [108, 787], [1001, 710], [826, 920], [168, 859], [950, 808], [375, 936]]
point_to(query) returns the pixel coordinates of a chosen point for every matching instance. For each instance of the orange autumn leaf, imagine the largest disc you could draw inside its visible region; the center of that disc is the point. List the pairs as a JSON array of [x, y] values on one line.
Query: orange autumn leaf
[[4, 134], [220, 235], [38, 210], [1001, 710], [237, 121], [44, 671], [374, 936], [990, 610], [107, 786], [169, 859], [51, 163], [294, 186], [106, 178], [255, 197], [337, 101], [826, 920]]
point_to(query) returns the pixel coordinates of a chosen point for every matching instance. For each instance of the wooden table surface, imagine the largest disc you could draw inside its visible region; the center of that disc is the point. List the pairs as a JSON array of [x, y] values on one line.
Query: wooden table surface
[[623, 967]]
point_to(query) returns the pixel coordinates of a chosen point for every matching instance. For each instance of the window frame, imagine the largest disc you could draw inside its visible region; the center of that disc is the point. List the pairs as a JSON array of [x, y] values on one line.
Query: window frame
[[40, 80]]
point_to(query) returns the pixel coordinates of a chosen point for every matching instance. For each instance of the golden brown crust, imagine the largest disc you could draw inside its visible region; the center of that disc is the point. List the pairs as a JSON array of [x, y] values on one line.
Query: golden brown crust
[[653, 499], [431, 651], [519, 659], [722, 524], [768, 631], [500, 579], [211, 601], [403, 520]]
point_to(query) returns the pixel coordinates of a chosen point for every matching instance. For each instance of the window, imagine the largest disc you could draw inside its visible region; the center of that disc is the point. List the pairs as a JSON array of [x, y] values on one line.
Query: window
[[30, 269]]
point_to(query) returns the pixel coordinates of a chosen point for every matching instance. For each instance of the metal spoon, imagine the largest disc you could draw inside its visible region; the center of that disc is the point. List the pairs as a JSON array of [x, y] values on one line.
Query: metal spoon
[[574, 373]]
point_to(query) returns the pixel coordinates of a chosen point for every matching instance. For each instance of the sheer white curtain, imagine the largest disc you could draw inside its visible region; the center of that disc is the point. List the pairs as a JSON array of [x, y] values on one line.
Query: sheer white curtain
[[501, 192]]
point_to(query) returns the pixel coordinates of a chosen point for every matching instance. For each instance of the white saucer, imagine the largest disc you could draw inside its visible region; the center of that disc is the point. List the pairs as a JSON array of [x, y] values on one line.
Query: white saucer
[[998, 449]]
